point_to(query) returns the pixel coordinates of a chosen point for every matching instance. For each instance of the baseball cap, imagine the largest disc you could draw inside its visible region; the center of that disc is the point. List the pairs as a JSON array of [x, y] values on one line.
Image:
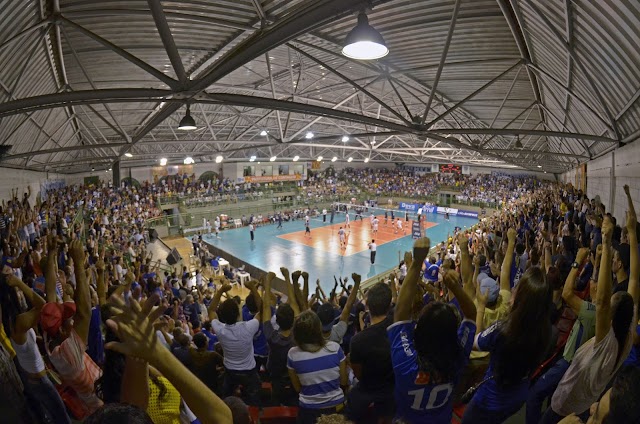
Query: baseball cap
[[490, 286], [327, 314], [53, 315]]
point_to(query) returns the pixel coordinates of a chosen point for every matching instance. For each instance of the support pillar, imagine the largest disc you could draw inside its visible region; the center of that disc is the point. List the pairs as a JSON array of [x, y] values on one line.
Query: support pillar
[[115, 169]]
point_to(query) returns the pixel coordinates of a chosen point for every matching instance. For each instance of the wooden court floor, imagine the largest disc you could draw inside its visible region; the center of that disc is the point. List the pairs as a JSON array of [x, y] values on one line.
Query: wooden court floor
[[358, 235]]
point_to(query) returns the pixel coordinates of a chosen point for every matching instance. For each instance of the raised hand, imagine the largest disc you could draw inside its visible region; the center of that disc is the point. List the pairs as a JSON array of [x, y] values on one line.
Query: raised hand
[[225, 287], [356, 279], [421, 249], [76, 251], [451, 279], [134, 326], [511, 235], [607, 230], [285, 272], [583, 253], [295, 276], [271, 276], [463, 242]]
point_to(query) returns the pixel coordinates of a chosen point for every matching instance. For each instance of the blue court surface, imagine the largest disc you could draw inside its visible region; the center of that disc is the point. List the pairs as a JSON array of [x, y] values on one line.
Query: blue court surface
[[269, 252]]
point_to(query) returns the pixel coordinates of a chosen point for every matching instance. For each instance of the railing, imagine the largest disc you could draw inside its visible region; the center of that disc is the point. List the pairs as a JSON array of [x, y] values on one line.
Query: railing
[[227, 197]]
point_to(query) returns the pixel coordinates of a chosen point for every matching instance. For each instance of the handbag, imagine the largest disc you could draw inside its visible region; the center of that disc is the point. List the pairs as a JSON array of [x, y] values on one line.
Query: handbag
[[468, 395]]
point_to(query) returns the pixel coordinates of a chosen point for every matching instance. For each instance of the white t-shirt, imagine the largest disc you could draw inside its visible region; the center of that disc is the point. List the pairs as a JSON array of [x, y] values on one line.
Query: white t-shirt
[[372, 247], [593, 366], [237, 342]]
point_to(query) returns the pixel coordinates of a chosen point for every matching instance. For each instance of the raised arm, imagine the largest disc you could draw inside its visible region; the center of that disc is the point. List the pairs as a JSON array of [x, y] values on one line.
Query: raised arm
[[291, 296], [603, 296], [102, 286], [409, 288], [50, 270], [253, 288], [213, 307], [266, 301], [138, 339], [452, 281], [305, 287], [568, 294], [632, 222], [465, 265], [344, 316], [505, 272], [82, 317], [29, 319]]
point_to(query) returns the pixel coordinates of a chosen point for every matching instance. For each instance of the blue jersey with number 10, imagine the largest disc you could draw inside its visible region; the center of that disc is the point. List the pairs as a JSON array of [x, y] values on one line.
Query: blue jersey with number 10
[[419, 400]]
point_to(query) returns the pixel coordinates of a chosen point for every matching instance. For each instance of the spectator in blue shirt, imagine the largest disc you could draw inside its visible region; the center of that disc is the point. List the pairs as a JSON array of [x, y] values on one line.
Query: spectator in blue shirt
[[517, 345], [428, 356]]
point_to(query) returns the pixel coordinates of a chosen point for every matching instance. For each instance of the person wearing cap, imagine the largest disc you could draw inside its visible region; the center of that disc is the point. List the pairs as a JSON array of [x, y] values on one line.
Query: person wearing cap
[[20, 329], [326, 313], [66, 328]]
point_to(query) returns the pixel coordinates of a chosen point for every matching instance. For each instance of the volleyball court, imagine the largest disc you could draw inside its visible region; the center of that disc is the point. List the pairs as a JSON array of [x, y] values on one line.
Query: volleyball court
[[359, 229]]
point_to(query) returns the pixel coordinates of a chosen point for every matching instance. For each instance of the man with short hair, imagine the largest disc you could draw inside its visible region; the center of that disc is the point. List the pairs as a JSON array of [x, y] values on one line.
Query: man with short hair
[[370, 358]]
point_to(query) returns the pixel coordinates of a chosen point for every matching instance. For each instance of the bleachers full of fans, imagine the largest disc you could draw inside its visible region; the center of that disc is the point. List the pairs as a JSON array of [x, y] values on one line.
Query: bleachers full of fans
[[533, 309]]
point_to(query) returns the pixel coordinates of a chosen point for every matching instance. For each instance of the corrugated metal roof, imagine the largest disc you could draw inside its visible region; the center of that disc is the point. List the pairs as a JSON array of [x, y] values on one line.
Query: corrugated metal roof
[[582, 53]]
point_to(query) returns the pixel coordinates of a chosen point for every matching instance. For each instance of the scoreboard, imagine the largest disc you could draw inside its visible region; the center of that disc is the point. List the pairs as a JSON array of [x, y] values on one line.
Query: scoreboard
[[450, 169]]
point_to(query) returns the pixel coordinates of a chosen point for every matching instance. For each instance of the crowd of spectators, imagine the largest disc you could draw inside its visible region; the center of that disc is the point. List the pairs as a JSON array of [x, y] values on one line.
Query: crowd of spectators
[[534, 308]]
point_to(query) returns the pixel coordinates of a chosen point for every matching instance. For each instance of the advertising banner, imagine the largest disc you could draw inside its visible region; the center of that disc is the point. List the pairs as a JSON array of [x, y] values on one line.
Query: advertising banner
[[469, 214], [450, 211], [272, 178], [416, 231], [410, 207]]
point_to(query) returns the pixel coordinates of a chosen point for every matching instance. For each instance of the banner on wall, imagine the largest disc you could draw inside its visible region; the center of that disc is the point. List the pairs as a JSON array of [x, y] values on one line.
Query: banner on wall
[[413, 207], [164, 171], [457, 212], [316, 165], [270, 178]]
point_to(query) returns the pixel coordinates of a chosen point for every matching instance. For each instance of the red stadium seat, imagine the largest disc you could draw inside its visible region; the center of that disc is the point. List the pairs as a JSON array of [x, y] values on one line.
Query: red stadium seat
[[279, 415]]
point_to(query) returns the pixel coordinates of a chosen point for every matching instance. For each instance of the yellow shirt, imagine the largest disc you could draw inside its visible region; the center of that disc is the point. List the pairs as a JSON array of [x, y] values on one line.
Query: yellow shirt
[[167, 409]]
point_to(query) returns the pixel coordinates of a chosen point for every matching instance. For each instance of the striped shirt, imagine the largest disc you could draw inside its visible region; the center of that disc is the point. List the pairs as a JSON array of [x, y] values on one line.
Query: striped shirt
[[319, 375]]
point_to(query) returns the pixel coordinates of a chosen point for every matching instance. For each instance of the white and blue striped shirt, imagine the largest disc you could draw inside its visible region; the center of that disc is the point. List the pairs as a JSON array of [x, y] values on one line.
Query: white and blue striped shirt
[[319, 374]]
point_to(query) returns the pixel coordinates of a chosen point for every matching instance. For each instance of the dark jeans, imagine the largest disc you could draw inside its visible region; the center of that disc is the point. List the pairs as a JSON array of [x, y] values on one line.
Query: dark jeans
[[283, 392], [251, 234], [310, 416], [250, 382], [543, 388], [261, 361], [373, 257], [359, 400], [474, 414], [44, 397]]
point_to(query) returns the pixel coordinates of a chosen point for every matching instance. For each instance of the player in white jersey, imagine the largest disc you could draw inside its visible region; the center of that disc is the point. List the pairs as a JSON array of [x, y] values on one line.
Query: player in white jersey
[[399, 227], [346, 221], [371, 218], [341, 234], [374, 224]]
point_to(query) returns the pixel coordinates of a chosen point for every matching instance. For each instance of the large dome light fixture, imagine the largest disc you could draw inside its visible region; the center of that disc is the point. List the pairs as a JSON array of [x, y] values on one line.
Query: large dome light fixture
[[187, 123], [364, 42]]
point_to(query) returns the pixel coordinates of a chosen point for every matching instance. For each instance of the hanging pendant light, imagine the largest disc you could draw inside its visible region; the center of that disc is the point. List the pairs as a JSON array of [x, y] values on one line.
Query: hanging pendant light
[[187, 123], [364, 42]]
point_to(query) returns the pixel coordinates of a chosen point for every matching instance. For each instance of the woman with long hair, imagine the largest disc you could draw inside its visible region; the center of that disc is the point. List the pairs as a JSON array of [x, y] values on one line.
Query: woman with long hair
[[317, 369], [19, 328], [596, 362], [427, 357], [517, 345]]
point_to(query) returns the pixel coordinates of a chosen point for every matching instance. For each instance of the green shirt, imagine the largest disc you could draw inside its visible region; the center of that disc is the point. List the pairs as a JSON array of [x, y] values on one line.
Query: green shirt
[[587, 322]]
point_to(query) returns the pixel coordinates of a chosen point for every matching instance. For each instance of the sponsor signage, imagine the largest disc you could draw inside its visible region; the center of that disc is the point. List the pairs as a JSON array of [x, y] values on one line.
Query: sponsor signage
[[450, 211], [470, 214], [416, 231], [272, 178], [413, 207]]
